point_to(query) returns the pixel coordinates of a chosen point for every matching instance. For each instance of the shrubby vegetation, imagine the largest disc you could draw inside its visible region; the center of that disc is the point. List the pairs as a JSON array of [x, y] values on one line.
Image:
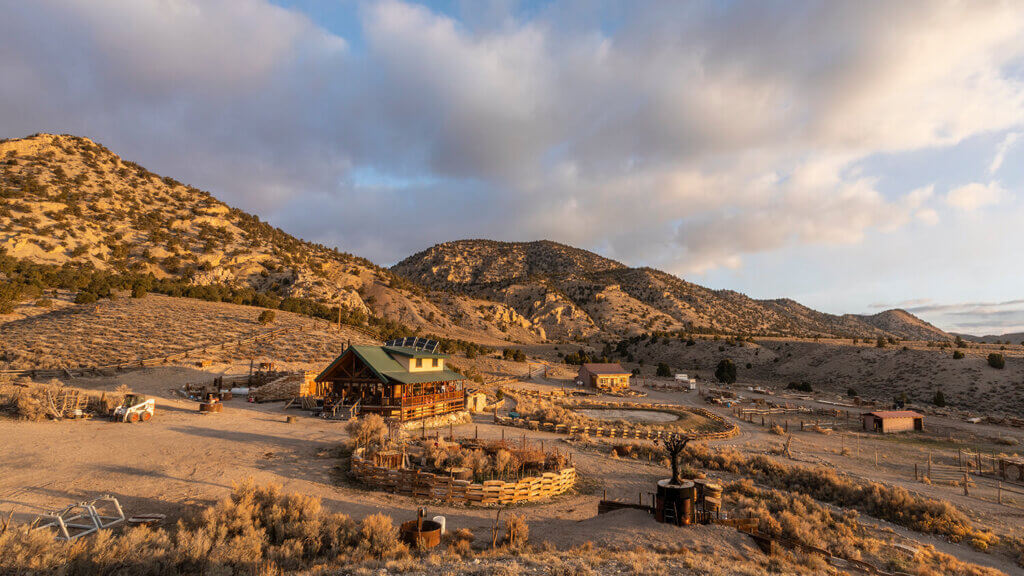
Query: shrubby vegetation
[[891, 503], [27, 280]]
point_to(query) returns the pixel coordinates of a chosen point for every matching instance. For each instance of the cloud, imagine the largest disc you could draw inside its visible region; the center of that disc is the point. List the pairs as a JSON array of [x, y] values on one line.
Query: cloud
[[688, 136], [1001, 150], [980, 318], [971, 197]]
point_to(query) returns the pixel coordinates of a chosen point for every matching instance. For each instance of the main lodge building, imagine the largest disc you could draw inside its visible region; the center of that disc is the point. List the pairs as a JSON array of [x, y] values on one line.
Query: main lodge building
[[404, 382]]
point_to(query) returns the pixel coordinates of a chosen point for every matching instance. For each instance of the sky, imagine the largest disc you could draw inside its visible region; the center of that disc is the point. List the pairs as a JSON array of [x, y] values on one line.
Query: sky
[[852, 155]]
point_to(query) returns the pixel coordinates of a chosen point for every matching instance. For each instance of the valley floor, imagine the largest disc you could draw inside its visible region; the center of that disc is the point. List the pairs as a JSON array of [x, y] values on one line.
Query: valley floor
[[184, 459]]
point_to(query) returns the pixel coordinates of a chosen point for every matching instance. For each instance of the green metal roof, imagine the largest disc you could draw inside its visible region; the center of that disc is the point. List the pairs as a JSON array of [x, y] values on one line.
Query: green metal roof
[[379, 359]]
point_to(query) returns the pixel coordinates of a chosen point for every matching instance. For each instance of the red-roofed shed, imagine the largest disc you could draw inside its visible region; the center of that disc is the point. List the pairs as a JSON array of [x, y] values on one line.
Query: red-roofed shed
[[608, 377], [889, 421]]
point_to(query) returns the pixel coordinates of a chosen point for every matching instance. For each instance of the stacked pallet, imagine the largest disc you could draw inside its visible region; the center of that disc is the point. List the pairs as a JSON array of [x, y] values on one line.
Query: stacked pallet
[[440, 487], [283, 388]]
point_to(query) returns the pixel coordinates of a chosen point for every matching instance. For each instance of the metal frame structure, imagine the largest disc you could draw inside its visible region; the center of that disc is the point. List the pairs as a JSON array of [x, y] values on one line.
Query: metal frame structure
[[77, 520], [416, 343]]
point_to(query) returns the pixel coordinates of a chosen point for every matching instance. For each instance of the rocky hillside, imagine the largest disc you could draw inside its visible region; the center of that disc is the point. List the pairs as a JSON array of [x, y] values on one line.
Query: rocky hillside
[[65, 200], [68, 200], [573, 293]]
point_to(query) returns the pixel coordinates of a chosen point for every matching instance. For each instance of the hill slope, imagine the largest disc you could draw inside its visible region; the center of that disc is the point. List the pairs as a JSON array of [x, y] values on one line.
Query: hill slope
[[574, 293], [68, 200], [65, 200]]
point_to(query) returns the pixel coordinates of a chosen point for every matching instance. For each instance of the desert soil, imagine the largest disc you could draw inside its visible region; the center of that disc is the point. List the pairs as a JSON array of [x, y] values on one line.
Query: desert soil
[[183, 459]]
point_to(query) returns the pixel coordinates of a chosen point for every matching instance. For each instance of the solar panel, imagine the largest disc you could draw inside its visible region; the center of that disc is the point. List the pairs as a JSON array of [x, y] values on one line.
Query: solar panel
[[416, 343]]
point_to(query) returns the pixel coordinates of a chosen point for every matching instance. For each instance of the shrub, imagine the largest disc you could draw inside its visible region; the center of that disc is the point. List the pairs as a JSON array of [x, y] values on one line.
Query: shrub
[[517, 531], [800, 387], [378, 537], [86, 297], [996, 361], [726, 371], [138, 291], [663, 370], [370, 430], [266, 317], [939, 399], [958, 355]]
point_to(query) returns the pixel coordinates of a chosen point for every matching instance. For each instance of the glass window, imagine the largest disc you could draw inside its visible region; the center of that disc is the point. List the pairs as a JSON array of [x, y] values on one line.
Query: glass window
[[419, 362], [436, 362]]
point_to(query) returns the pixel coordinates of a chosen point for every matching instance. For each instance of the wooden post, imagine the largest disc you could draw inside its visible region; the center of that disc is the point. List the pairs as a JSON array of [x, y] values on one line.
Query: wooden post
[[915, 472], [966, 480], [876, 457], [451, 431], [787, 426], [424, 433], [801, 425], [999, 492], [476, 433], [929, 463]]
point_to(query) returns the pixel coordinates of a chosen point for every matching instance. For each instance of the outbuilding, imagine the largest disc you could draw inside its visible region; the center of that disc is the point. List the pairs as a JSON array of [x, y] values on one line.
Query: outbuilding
[[476, 400], [890, 421], [608, 377]]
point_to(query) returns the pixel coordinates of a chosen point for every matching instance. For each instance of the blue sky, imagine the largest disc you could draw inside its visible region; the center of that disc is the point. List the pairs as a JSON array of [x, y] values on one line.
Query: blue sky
[[853, 156]]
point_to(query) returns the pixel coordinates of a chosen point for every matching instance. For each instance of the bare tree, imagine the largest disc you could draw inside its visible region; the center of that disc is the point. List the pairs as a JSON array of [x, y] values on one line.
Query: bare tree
[[674, 446]]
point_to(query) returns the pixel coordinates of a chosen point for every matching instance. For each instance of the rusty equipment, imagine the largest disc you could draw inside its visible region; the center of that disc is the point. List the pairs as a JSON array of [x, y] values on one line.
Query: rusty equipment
[[420, 532], [212, 404]]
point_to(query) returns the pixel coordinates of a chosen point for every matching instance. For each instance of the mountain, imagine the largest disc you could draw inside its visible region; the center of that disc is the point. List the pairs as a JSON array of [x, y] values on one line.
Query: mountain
[[1011, 338], [68, 201], [573, 293]]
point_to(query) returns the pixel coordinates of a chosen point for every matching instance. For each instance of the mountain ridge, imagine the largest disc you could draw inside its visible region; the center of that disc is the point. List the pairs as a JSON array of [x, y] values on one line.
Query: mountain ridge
[[533, 276], [68, 200]]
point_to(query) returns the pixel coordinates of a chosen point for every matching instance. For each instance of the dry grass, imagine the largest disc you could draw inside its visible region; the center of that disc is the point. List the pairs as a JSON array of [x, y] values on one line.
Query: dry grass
[[128, 329], [256, 530], [891, 503]]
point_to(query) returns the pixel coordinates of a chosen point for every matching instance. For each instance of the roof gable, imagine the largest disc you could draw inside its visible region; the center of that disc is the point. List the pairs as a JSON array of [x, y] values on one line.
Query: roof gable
[[895, 414], [380, 361], [605, 368]]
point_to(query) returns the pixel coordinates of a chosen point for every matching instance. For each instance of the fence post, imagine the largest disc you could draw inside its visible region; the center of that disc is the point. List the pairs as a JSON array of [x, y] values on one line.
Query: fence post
[[929, 463], [915, 472]]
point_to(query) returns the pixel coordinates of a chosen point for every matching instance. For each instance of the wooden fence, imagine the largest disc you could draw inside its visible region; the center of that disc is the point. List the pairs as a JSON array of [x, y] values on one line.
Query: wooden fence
[[727, 429], [976, 477], [420, 484]]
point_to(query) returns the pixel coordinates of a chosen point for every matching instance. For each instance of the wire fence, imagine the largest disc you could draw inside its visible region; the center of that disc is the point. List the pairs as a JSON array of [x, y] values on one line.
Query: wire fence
[[978, 475]]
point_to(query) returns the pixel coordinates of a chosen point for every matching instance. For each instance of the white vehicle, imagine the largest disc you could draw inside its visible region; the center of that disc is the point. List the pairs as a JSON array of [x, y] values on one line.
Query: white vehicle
[[135, 408]]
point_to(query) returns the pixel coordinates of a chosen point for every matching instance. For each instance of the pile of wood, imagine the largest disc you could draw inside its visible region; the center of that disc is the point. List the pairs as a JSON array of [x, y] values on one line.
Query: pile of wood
[[283, 388]]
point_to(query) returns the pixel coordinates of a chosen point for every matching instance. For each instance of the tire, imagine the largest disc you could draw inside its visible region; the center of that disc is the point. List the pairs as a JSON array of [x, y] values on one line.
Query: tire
[[147, 416], [133, 417]]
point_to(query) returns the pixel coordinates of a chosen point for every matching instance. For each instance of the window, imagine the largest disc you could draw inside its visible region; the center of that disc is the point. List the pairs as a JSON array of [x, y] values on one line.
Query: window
[[436, 362], [419, 362]]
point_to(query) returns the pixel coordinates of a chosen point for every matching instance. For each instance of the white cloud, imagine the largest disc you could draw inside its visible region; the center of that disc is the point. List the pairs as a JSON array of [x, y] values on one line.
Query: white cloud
[[975, 195], [1001, 150], [689, 137]]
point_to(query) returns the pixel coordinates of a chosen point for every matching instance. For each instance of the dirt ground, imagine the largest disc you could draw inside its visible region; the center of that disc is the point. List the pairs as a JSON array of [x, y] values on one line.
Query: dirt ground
[[183, 458]]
